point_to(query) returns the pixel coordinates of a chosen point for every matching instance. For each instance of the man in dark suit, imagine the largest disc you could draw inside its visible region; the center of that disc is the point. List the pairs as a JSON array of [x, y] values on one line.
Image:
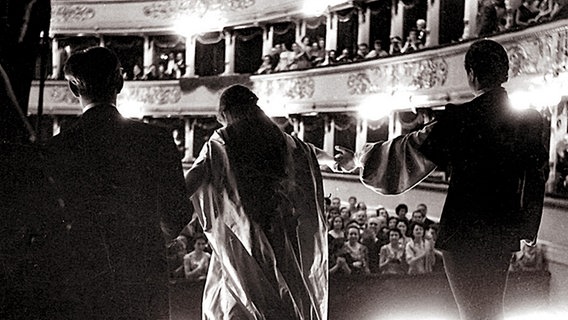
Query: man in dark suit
[[497, 163], [124, 197]]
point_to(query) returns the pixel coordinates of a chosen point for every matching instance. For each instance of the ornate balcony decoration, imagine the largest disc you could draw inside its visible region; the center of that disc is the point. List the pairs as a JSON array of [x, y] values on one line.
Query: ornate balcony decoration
[[421, 74], [73, 13], [151, 95], [184, 8], [290, 89]]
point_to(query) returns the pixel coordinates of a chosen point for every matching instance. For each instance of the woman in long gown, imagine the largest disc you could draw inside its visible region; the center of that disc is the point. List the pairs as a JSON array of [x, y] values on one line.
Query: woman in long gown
[[258, 194]]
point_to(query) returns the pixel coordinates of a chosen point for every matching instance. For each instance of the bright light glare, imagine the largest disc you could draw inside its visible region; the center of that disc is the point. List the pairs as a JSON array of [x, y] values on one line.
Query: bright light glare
[[131, 109], [193, 25], [377, 107], [540, 316], [535, 98], [520, 100]]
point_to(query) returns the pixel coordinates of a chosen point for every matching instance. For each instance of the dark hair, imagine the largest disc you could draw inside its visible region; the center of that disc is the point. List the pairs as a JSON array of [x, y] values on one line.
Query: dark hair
[[94, 72], [392, 218], [400, 207], [414, 224], [239, 102], [396, 230], [342, 221], [489, 62]]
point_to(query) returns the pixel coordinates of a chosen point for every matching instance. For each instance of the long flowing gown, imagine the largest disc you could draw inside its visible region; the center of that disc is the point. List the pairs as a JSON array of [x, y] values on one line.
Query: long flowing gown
[[276, 270]]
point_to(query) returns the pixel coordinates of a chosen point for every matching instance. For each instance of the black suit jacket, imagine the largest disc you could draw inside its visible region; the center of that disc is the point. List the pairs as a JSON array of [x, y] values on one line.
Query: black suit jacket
[[124, 196], [496, 160]]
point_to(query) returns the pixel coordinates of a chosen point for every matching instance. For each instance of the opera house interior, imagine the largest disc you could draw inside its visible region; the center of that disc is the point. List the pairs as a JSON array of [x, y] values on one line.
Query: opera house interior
[[332, 73]]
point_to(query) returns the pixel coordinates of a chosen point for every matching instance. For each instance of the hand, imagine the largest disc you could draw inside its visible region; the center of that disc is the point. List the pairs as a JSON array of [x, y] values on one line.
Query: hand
[[344, 160]]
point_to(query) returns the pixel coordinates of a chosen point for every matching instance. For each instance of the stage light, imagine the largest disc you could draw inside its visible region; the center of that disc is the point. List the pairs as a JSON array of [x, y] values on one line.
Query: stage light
[[131, 109], [376, 107]]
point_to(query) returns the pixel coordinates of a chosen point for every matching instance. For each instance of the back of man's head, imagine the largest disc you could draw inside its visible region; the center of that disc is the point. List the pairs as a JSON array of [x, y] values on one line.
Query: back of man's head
[[489, 62], [94, 73]]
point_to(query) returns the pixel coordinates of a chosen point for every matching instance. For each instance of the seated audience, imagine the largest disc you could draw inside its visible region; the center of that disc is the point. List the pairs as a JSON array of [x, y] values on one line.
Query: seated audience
[[412, 42], [301, 58], [357, 251], [361, 206], [345, 56], [286, 59], [392, 256], [432, 235], [419, 251], [266, 66], [196, 263], [317, 54], [352, 200], [180, 62], [377, 51], [345, 213], [336, 202], [275, 55], [527, 13], [362, 52], [395, 45], [424, 209], [331, 58], [176, 253], [332, 212], [489, 17], [137, 73]]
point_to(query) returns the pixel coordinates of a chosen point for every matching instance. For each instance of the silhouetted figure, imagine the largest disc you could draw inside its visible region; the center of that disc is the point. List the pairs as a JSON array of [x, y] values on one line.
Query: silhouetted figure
[[124, 197]]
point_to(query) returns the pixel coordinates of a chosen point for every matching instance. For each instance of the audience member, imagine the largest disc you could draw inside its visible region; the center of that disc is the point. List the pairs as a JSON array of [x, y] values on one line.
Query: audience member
[[137, 73], [336, 202], [412, 42], [180, 63], [286, 58], [344, 57], [339, 259], [391, 222], [318, 53], [382, 212], [345, 213], [392, 255], [331, 58], [196, 263], [362, 52], [332, 212], [401, 210], [306, 45], [422, 32], [432, 235], [424, 209], [561, 11], [336, 230], [176, 251], [152, 73], [527, 13], [395, 45], [275, 55], [377, 51], [266, 66], [361, 219], [489, 17], [403, 227], [357, 251], [301, 59], [361, 206], [171, 69], [352, 200], [419, 251], [370, 239]]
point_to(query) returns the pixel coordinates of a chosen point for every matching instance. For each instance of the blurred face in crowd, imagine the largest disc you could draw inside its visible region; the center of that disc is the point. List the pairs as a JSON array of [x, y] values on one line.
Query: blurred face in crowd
[[418, 231], [401, 213], [352, 201], [402, 227], [431, 234], [417, 216], [392, 223], [337, 223], [336, 202], [394, 237], [422, 208], [199, 245], [353, 235], [345, 214], [361, 217], [321, 43], [361, 206], [374, 225], [363, 49], [382, 212]]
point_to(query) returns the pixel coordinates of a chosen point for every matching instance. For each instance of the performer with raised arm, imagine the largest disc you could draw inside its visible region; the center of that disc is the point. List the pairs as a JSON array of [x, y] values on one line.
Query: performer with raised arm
[[258, 193], [497, 167]]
